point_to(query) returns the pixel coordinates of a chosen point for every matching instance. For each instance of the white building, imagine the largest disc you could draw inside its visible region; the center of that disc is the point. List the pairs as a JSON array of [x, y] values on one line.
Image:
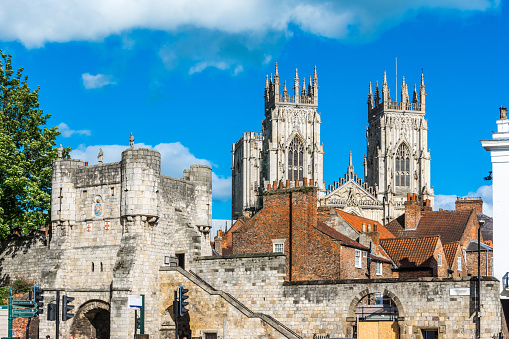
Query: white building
[[499, 148]]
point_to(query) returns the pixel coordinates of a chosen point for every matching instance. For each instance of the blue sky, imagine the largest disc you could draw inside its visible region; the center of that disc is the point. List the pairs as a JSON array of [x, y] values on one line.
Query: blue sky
[[187, 78]]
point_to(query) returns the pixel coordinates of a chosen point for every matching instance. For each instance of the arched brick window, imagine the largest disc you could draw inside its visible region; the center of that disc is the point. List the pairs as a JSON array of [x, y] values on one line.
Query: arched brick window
[[295, 160], [402, 166]]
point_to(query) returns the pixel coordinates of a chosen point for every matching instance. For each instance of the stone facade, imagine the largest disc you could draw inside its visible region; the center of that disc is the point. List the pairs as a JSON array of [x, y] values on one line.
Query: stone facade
[[113, 226], [290, 144], [328, 308]]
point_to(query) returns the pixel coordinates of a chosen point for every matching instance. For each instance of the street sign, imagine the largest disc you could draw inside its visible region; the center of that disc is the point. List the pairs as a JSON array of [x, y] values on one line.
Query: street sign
[[24, 303], [134, 301], [24, 313]]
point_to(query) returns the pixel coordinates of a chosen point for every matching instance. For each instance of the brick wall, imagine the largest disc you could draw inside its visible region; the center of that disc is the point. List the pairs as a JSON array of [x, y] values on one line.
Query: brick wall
[[486, 262], [466, 204]]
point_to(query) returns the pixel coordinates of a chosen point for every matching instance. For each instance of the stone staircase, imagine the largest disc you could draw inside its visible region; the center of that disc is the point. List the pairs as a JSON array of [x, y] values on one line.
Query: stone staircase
[[278, 326]]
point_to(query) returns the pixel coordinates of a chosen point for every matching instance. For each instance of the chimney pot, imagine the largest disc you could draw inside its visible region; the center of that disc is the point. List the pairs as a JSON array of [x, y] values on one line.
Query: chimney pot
[[310, 182], [274, 185], [305, 181], [288, 183]]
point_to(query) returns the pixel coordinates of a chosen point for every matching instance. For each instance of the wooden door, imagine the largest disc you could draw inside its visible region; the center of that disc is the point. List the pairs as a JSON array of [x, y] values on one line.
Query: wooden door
[[378, 330]]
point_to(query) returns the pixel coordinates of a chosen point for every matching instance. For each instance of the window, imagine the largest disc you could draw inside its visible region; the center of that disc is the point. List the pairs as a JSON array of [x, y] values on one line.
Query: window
[[112, 189], [427, 334], [295, 160], [278, 247], [369, 228], [459, 263], [379, 299], [465, 256], [358, 259], [181, 259], [402, 166], [84, 194], [439, 260], [364, 254], [378, 268]]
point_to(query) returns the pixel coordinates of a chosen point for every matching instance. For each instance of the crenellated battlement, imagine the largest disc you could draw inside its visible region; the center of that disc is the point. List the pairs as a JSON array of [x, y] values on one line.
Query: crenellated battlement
[[301, 95]]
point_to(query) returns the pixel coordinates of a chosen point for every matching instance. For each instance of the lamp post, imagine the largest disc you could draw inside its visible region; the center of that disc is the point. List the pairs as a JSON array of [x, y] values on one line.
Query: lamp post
[[481, 223]]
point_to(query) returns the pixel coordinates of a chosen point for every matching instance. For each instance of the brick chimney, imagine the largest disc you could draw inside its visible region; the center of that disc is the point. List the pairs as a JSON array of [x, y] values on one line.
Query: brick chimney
[[468, 203], [412, 211], [218, 243]]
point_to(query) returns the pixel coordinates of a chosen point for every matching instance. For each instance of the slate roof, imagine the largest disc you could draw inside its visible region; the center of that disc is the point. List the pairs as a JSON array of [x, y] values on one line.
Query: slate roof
[[411, 252], [449, 225], [472, 247], [487, 229], [356, 222], [345, 241], [450, 251]]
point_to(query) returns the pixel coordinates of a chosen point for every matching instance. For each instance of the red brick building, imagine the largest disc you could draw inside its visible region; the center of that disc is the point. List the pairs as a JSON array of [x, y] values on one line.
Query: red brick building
[[457, 231], [290, 222]]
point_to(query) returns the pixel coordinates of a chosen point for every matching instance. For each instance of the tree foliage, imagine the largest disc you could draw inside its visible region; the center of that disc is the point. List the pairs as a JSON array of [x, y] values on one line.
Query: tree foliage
[[26, 153]]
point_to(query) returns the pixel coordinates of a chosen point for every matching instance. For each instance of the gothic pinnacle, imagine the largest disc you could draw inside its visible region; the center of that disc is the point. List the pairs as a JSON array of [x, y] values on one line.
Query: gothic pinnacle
[[296, 74], [385, 78], [277, 72], [315, 75], [350, 163], [285, 86], [370, 90], [267, 81]]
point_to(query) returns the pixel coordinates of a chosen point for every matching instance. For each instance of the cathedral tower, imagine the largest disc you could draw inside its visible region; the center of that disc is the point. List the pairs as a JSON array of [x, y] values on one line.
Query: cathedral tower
[[398, 159], [291, 132], [287, 149]]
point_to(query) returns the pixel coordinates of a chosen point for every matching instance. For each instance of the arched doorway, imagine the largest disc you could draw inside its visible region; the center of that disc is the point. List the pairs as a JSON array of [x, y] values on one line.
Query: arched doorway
[[92, 320], [375, 315]]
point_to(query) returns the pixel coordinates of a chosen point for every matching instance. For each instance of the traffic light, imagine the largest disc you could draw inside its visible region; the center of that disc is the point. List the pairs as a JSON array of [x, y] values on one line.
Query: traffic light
[[67, 308], [137, 321], [182, 300], [52, 312], [39, 299]]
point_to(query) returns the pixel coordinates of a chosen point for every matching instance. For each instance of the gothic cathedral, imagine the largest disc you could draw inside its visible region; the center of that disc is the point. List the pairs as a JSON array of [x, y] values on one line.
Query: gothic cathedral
[[289, 150]]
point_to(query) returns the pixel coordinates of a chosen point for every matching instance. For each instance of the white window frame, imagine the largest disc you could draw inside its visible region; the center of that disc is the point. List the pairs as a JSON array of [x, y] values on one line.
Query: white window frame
[[379, 298], [358, 258], [465, 256], [364, 254], [379, 266], [278, 246], [439, 260], [459, 263]]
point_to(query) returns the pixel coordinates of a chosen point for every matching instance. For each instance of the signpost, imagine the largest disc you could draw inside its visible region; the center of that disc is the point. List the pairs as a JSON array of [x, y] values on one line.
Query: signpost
[[21, 309], [135, 301]]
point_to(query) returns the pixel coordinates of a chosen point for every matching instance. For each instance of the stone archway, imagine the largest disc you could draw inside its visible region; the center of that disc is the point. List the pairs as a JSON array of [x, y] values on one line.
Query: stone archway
[[92, 320], [394, 313]]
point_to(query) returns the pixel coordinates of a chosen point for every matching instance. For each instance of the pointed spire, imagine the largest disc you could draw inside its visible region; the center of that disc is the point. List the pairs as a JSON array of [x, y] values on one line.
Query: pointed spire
[[285, 93], [422, 79], [303, 86], [422, 94], [370, 98], [267, 81], [385, 78], [270, 79], [370, 93], [315, 76], [277, 71], [414, 98], [350, 170], [296, 86], [296, 74]]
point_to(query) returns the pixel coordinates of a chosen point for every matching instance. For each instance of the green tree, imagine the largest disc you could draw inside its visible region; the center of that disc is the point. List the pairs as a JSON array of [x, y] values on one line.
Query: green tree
[[26, 153]]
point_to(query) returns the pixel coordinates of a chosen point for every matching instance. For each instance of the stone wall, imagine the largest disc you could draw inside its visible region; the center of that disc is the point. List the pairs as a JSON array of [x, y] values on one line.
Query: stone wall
[[328, 307]]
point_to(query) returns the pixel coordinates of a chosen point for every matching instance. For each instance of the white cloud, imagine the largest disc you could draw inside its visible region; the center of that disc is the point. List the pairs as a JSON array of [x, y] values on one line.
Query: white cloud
[[66, 132], [175, 158], [96, 81], [204, 64], [447, 202], [238, 69], [35, 23]]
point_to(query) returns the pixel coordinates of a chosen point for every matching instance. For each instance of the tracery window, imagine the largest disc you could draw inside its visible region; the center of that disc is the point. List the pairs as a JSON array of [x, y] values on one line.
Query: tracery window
[[402, 166], [295, 160]]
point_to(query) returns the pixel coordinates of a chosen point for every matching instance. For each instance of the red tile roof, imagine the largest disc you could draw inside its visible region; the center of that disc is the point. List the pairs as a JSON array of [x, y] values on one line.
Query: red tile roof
[[449, 225], [356, 222], [450, 250], [411, 252], [345, 241]]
